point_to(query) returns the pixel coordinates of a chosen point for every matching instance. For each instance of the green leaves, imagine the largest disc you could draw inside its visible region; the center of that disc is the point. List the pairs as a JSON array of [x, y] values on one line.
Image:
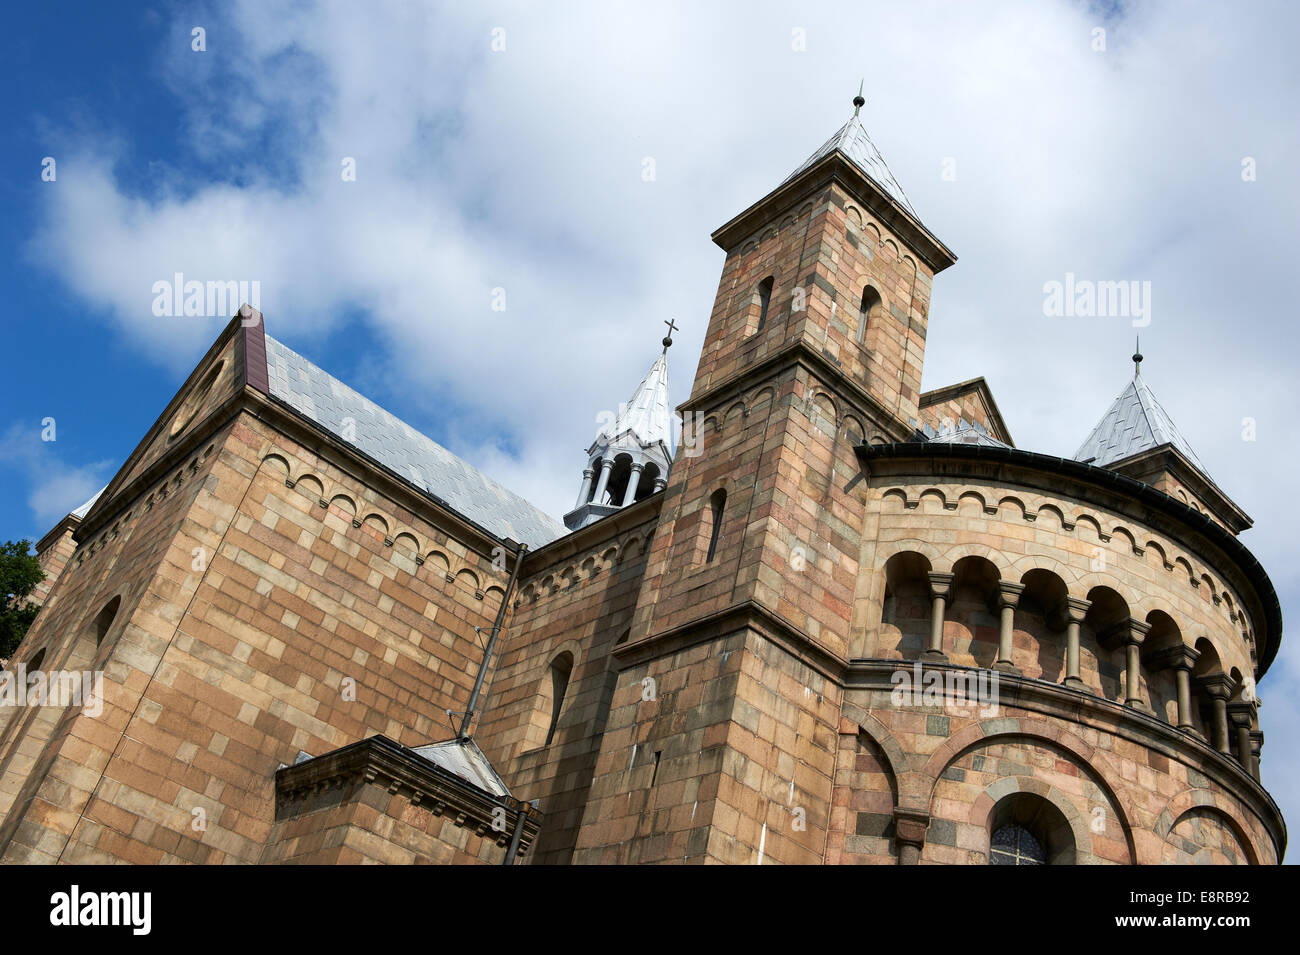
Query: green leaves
[[19, 574]]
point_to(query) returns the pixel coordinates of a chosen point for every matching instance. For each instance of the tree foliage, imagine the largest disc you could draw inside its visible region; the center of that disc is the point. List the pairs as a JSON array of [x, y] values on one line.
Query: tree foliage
[[19, 574]]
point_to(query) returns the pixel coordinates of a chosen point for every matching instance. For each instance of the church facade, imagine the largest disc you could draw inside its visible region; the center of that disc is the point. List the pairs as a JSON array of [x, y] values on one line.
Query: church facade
[[846, 621]]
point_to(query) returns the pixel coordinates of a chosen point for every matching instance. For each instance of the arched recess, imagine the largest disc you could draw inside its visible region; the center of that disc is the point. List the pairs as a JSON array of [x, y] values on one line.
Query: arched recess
[[1163, 639], [1189, 800], [1029, 808], [1207, 668], [970, 615], [1038, 647], [918, 788], [1101, 642], [905, 608]]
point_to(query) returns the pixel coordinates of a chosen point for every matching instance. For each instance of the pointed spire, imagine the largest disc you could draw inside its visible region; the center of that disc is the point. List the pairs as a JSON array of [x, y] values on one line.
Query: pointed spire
[[852, 141], [1135, 422], [631, 455], [1137, 358]]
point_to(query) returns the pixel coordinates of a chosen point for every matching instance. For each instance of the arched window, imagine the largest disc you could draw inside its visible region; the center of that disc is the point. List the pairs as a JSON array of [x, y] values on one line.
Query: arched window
[[105, 620], [868, 310], [1026, 829], [561, 668], [716, 503], [764, 299], [1015, 845]]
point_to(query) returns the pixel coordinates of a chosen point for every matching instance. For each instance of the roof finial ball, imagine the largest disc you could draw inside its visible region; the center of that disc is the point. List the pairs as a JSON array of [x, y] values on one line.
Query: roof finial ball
[[668, 339], [858, 101], [1137, 358]]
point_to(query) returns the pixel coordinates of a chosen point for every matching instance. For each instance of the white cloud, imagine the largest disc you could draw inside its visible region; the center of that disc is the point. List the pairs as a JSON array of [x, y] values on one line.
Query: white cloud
[[56, 486], [522, 169]]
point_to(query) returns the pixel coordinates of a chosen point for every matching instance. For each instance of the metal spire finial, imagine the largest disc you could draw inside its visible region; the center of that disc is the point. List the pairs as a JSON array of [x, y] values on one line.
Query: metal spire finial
[[668, 339], [858, 101], [1137, 358]]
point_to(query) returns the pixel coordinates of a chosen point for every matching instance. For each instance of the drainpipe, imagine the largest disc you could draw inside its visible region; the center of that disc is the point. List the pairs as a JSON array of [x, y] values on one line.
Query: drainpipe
[[517, 836], [492, 642]]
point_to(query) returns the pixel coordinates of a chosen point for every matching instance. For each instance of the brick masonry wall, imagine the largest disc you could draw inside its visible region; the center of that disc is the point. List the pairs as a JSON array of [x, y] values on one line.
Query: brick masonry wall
[[227, 671], [364, 824], [578, 602]]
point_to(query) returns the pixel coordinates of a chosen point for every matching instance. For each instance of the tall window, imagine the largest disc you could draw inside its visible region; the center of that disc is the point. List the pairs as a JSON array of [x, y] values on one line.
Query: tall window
[[105, 619], [561, 668], [764, 299], [716, 504], [868, 310]]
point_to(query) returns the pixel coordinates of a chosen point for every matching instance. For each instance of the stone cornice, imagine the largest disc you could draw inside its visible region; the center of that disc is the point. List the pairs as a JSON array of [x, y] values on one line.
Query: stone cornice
[[380, 761], [835, 168], [799, 353]]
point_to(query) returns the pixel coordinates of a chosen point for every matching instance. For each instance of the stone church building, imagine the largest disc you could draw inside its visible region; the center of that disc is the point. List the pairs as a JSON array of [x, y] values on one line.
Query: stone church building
[[838, 620]]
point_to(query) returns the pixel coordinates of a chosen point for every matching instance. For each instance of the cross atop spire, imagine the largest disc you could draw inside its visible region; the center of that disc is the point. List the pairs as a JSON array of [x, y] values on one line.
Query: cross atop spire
[[668, 339]]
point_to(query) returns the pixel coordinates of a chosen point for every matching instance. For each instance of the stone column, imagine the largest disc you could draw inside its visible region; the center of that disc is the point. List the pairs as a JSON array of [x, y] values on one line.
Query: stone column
[[660, 484], [909, 834], [1182, 658], [585, 490], [1008, 599], [1218, 687], [1256, 751], [1075, 611], [1137, 632], [633, 480], [605, 468], [940, 584], [1242, 717]]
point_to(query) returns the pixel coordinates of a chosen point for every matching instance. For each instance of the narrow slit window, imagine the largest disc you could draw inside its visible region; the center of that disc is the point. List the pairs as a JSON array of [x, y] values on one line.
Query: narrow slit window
[[716, 504], [764, 300], [868, 310]]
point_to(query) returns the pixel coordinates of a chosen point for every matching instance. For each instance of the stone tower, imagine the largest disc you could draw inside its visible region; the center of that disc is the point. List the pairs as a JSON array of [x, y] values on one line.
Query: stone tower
[[815, 345], [872, 630]]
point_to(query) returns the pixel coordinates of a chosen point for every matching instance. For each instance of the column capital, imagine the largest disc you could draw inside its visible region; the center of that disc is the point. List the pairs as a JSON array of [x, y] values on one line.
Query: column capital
[[1217, 686], [1178, 657], [1076, 608], [1009, 593], [638, 466], [1242, 713], [940, 584], [1137, 630], [910, 826]]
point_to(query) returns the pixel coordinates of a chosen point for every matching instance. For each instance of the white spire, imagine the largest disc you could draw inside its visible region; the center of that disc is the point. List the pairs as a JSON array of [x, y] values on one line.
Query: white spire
[[632, 453]]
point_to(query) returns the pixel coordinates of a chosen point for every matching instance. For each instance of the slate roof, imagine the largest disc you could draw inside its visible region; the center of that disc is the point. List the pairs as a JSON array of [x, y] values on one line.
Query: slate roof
[[387, 439], [466, 760], [85, 508], [852, 140], [966, 432], [646, 415], [1134, 423]]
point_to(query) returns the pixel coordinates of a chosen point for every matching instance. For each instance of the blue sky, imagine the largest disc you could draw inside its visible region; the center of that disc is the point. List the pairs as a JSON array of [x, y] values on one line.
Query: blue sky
[[501, 146]]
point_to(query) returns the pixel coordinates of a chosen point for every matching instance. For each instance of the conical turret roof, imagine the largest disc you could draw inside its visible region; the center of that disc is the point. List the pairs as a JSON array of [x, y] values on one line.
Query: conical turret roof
[[647, 415], [1134, 423], [852, 140]]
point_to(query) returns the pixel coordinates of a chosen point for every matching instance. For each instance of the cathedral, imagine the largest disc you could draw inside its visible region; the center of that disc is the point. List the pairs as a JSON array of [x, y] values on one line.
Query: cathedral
[[811, 614]]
